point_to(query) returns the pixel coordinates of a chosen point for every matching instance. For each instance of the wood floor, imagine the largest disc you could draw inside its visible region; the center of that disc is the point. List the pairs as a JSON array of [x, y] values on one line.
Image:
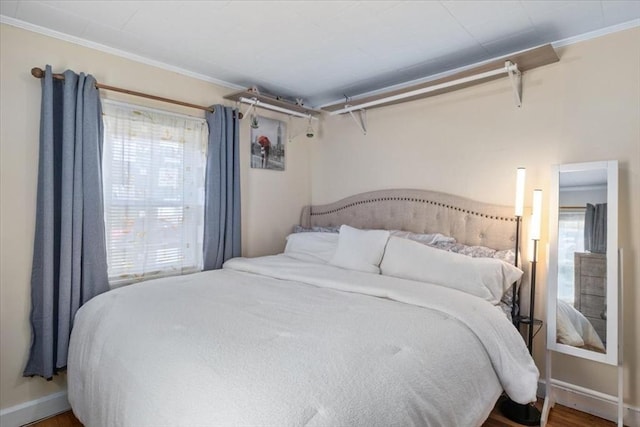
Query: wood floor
[[66, 419], [560, 416]]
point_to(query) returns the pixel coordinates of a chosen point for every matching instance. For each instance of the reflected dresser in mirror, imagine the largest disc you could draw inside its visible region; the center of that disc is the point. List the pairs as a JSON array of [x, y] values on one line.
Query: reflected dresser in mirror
[[590, 291]]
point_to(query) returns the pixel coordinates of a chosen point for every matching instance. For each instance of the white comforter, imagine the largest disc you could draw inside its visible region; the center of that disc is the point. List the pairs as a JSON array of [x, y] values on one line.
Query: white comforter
[[280, 342], [574, 329]]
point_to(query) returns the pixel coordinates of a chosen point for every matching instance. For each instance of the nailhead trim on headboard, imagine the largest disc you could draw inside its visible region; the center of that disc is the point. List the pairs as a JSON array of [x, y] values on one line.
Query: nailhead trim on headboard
[[411, 199], [420, 211]]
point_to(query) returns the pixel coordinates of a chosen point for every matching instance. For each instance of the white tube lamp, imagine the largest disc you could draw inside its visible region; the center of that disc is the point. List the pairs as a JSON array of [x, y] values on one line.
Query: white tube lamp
[[536, 216], [520, 175], [520, 191], [534, 236]]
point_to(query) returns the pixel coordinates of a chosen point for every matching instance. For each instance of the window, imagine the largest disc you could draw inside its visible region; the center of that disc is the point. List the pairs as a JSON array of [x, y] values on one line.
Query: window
[[570, 240], [153, 176]]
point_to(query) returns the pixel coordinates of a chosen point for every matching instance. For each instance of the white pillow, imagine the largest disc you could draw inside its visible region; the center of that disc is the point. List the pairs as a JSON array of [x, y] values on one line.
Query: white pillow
[[315, 247], [360, 250], [487, 278]]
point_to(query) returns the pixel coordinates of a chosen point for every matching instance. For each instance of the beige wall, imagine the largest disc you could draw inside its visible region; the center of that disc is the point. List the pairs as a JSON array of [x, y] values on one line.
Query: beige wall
[[271, 201], [469, 142]]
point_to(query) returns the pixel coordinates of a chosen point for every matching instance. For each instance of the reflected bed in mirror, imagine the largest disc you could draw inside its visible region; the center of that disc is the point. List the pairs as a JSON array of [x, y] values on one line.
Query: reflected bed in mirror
[[582, 289]]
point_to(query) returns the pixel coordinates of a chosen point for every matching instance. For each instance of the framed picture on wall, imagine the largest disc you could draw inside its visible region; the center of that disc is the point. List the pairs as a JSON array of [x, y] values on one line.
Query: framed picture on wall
[[267, 143]]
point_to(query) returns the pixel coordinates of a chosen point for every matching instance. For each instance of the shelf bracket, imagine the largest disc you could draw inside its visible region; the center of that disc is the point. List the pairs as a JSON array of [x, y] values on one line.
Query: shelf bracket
[[361, 121], [251, 107], [515, 76]]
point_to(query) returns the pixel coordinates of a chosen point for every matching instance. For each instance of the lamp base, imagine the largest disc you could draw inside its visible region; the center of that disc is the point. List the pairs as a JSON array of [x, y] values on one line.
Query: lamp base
[[527, 415]]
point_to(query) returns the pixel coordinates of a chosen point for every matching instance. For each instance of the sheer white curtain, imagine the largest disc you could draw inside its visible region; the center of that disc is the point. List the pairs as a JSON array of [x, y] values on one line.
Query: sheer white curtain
[[154, 168], [570, 241]]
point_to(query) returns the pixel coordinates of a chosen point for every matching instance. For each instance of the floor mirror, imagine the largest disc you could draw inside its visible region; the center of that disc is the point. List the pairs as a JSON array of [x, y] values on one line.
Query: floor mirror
[[583, 307]]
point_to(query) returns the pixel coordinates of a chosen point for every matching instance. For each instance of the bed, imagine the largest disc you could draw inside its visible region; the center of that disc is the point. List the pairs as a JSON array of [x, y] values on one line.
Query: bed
[[291, 340]]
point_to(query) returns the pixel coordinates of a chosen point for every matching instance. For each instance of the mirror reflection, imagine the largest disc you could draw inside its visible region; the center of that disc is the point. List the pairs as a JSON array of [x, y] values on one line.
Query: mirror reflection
[[582, 246]]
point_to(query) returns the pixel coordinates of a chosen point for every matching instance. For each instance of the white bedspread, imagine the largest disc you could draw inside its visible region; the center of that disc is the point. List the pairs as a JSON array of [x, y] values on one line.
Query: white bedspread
[[280, 342], [575, 329]]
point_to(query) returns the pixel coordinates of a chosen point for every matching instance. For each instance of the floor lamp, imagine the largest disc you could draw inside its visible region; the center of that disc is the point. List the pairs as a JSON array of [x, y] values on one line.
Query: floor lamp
[[527, 414], [519, 210], [534, 235]]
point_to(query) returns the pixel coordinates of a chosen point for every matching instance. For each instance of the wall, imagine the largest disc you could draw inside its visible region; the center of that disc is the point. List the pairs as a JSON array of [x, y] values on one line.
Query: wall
[[271, 201], [470, 142]]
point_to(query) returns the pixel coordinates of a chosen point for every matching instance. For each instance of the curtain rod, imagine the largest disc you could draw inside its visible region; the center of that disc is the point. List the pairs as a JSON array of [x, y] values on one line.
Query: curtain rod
[[39, 73]]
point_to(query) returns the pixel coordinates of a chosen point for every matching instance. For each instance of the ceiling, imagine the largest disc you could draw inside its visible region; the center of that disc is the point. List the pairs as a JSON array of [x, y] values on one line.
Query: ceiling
[[583, 178], [320, 50]]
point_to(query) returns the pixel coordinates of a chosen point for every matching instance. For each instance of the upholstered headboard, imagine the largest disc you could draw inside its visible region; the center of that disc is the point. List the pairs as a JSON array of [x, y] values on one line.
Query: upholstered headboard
[[420, 211]]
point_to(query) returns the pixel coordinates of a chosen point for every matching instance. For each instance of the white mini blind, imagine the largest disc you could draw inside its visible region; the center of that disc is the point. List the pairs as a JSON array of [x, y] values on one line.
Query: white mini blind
[[153, 176]]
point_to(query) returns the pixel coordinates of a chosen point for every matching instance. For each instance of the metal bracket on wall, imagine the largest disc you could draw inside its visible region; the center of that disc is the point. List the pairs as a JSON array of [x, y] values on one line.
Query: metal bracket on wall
[[515, 76], [250, 109], [361, 121]]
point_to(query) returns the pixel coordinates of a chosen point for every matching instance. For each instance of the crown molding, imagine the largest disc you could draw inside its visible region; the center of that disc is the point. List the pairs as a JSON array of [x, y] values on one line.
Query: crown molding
[[597, 33], [113, 51]]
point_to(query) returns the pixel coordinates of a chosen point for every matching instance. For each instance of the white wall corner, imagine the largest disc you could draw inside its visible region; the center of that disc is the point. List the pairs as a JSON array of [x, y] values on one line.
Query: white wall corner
[[34, 410], [590, 401]]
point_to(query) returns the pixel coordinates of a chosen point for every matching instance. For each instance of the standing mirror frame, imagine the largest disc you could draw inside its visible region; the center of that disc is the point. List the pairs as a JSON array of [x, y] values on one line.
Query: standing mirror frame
[[610, 356]]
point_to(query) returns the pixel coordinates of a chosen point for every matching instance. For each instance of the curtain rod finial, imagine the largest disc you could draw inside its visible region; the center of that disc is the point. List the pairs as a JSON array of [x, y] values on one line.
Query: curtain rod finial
[[37, 72]]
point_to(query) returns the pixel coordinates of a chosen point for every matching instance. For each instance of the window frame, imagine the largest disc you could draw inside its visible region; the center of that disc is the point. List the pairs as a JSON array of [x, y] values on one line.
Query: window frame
[[201, 142]]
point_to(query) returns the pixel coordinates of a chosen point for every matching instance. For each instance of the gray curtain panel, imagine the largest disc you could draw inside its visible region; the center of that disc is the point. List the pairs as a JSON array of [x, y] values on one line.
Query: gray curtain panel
[[222, 189], [595, 228], [69, 254]]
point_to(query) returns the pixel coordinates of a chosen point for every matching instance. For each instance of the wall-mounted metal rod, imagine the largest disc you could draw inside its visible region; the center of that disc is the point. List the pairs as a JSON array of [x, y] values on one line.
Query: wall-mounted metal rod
[[504, 70]]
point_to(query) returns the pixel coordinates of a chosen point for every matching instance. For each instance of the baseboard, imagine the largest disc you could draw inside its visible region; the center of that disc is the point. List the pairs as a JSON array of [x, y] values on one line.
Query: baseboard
[[590, 401], [34, 410]]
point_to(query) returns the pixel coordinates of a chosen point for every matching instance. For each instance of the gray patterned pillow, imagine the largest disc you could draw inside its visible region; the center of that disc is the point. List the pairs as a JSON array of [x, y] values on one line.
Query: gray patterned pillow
[[424, 238], [301, 229]]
